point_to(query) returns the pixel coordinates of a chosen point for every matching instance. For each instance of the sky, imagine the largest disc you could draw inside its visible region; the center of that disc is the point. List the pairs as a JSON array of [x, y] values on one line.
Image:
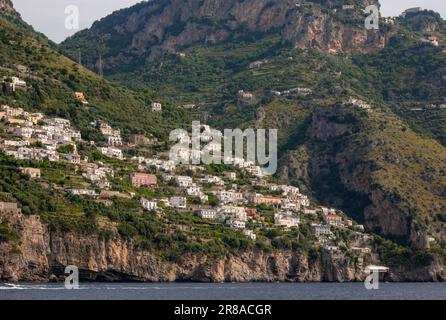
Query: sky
[[49, 17]]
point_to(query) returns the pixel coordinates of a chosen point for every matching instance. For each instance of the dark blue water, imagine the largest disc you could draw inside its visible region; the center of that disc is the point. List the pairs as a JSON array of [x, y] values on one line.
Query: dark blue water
[[250, 291]]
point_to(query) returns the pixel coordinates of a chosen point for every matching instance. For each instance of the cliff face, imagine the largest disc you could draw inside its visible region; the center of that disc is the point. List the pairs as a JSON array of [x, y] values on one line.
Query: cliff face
[[41, 255], [6, 5], [369, 164], [147, 30]]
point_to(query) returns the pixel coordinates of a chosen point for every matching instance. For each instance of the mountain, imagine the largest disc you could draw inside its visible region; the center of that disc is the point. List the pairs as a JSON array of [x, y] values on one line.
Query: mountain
[[204, 52], [131, 37], [347, 102], [53, 80]]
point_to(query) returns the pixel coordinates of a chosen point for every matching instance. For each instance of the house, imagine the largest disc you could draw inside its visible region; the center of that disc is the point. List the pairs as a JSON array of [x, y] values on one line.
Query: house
[[112, 152], [157, 107], [359, 103], [252, 213], [321, 230], [309, 211], [32, 172], [107, 130], [58, 123], [143, 179], [178, 202], [250, 234], [289, 205], [213, 180], [81, 97], [18, 82], [360, 250], [102, 184], [327, 211], [24, 132], [257, 64], [245, 95], [73, 158], [433, 40], [184, 181], [348, 7], [8, 207], [12, 112], [34, 117], [148, 205], [286, 220], [229, 196], [82, 192], [271, 201], [231, 175], [334, 220], [115, 141], [141, 140], [255, 171], [236, 213], [254, 198], [204, 197], [20, 121], [194, 190], [210, 214], [236, 224]]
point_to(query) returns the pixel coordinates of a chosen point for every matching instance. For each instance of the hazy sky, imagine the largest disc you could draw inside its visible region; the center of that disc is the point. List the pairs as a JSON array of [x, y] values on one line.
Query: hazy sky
[[48, 16]]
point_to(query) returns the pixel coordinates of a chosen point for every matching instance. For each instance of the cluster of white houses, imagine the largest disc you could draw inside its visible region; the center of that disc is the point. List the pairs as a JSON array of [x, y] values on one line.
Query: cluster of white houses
[[293, 91], [237, 204]]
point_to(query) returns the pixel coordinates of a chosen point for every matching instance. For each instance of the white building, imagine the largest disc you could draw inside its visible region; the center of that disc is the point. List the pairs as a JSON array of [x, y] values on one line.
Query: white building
[[231, 175], [83, 192], [184, 181], [231, 196], [250, 234], [213, 180], [286, 220], [236, 213], [115, 141], [148, 204], [157, 107], [237, 224], [210, 214], [112, 152], [178, 202]]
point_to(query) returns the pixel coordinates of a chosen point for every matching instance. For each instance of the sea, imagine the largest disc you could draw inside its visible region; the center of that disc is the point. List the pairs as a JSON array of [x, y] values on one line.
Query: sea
[[227, 291]]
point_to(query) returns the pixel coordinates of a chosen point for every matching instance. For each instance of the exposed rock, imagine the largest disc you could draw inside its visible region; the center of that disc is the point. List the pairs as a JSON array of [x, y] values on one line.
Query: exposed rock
[[350, 170], [43, 255], [154, 27], [6, 5]]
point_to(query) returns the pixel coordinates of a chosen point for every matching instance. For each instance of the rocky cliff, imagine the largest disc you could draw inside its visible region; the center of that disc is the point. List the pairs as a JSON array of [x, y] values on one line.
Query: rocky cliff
[[40, 255], [146, 31], [371, 164], [6, 5]]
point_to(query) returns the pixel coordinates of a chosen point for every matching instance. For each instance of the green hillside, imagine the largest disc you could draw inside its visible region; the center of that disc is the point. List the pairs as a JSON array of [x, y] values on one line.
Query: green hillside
[[53, 79]]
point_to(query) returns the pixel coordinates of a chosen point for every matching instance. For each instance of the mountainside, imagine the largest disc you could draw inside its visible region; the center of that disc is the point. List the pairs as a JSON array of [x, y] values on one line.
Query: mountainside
[[53, 80], [129, 38], [272, 46], [360, 116]]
